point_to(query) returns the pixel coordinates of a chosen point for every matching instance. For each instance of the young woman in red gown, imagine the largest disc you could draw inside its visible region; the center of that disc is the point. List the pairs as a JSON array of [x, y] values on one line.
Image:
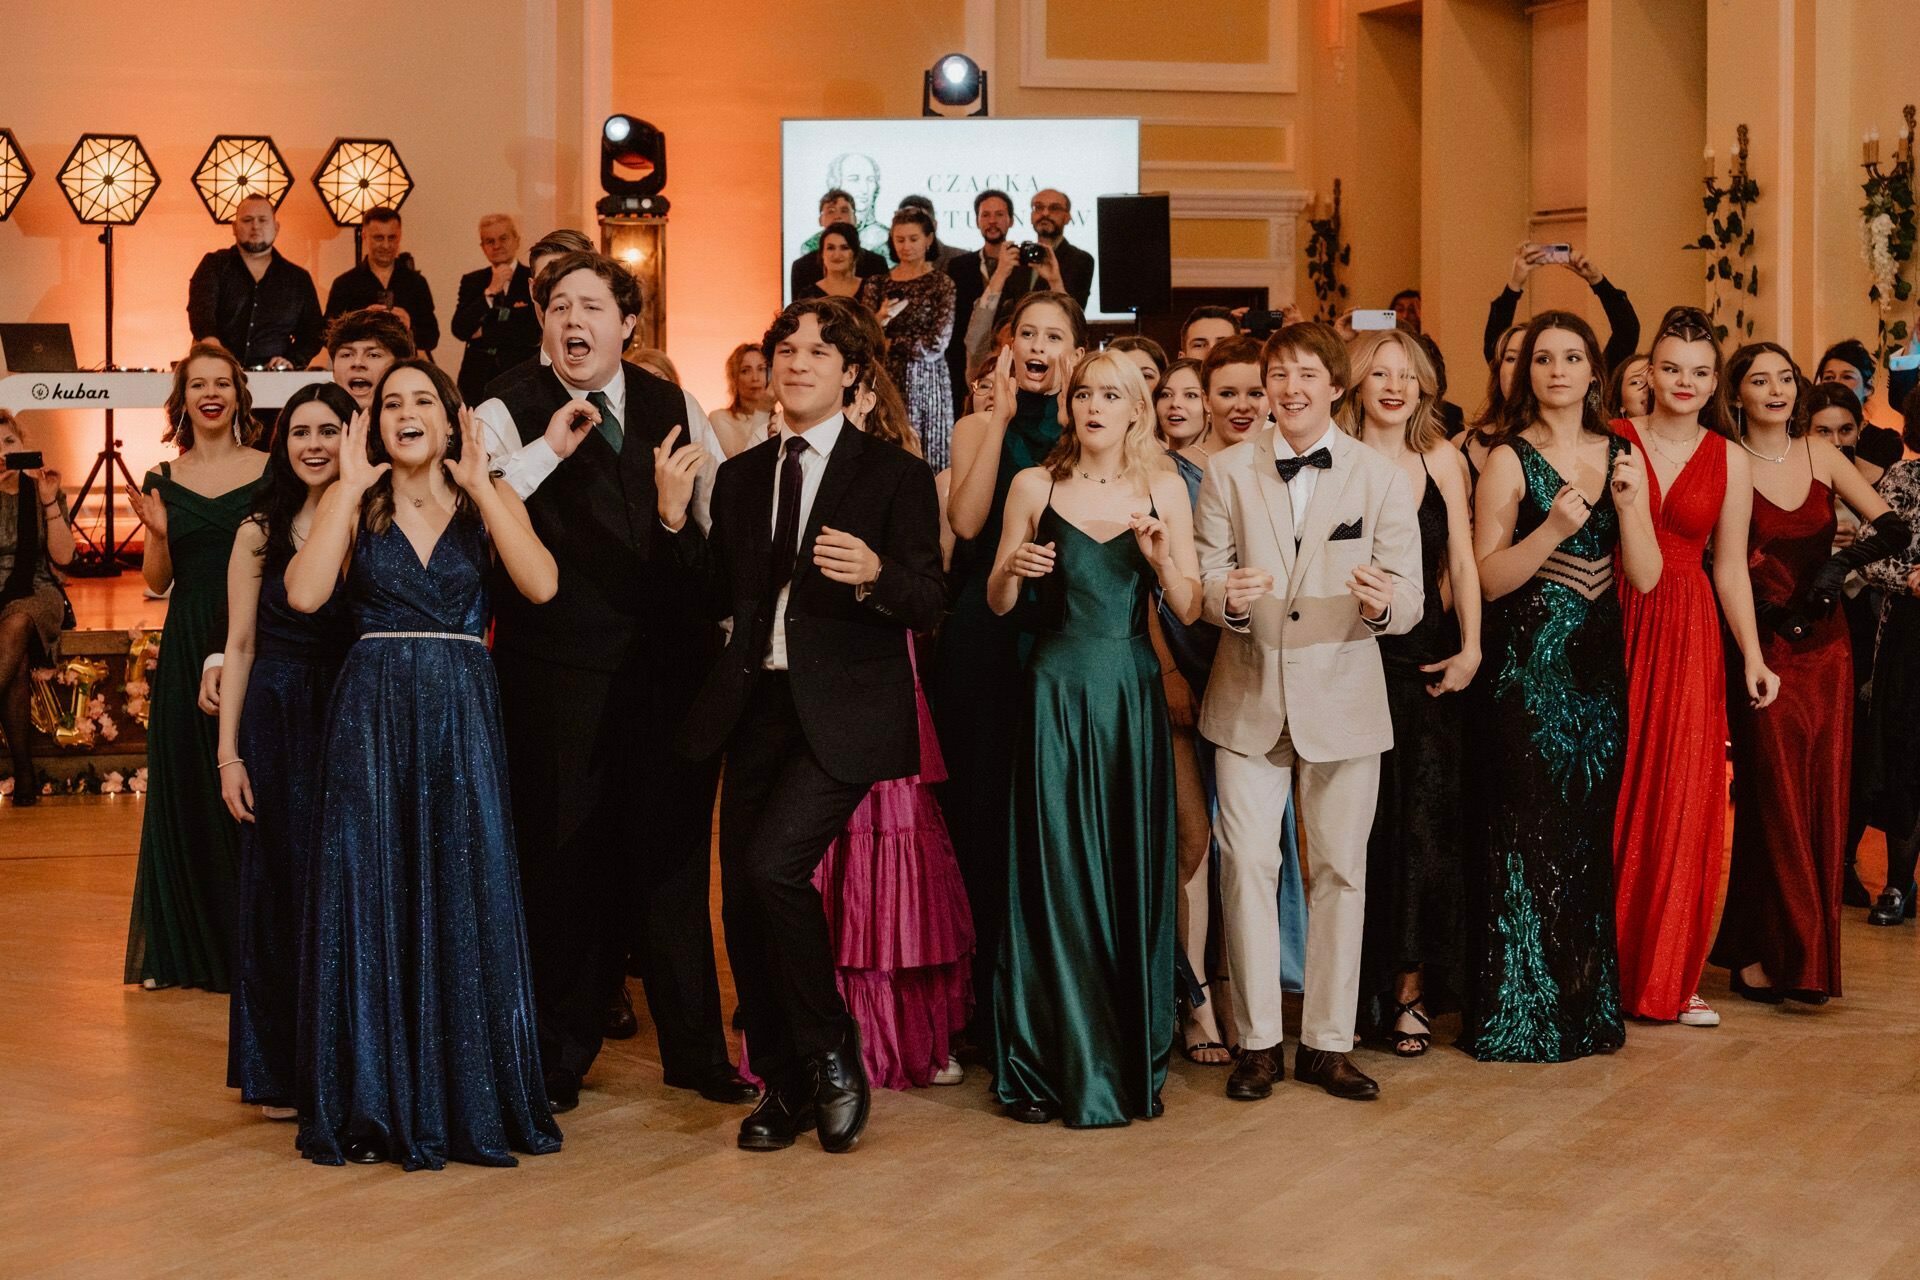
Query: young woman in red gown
[[1670, 825], [1780, 932]]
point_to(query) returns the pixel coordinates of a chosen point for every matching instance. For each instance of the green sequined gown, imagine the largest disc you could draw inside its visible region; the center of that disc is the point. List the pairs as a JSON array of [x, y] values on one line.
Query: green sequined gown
[[1083, 1002], [1547, 985], [186, 887]]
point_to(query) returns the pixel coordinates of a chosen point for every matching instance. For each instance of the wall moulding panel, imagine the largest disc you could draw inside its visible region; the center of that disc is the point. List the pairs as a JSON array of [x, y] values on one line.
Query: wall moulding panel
[[1275, 71], [1194, 144], [1279, 211]]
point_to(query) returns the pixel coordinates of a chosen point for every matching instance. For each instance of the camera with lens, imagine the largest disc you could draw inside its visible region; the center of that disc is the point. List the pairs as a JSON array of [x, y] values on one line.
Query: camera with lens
[[1033, 255]]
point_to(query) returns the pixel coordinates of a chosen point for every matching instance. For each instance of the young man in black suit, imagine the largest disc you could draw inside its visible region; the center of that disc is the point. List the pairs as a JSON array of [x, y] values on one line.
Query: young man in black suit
[[824, 549], [612, 824]]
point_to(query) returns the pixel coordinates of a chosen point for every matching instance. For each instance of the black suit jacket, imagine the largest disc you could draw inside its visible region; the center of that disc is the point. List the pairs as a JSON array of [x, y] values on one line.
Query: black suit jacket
[[494, 344], [358, 287], [847, 660]]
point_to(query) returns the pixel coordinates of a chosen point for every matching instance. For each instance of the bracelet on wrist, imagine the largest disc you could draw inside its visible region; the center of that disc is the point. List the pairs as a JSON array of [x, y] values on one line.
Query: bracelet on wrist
[[236, 760]]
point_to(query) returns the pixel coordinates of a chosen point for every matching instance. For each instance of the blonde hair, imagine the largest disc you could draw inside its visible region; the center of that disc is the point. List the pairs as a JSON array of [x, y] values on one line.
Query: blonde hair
[[1425, 430], [653, 360], [1141, 455]]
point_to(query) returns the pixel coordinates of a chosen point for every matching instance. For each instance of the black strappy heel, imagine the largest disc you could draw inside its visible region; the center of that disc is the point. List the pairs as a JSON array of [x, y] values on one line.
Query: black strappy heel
[[1423, 1039]]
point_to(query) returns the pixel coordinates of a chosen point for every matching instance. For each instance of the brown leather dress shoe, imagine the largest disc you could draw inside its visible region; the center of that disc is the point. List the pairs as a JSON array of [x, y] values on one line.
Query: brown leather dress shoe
[[1334, 1073], [1253, 1075]]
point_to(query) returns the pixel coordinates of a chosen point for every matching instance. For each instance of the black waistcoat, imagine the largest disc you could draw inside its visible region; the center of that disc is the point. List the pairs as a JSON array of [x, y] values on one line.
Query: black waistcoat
[[621, 594]]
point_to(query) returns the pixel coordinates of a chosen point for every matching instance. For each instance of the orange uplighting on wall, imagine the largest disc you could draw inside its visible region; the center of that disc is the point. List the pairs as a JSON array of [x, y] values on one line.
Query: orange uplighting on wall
[[108, 179], [15, 173], [240, 168]]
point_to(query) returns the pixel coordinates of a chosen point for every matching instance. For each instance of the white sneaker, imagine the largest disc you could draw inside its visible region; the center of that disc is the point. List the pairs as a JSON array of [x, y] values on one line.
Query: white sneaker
[[952, 1073], [279, 1113], [1698, 1013]]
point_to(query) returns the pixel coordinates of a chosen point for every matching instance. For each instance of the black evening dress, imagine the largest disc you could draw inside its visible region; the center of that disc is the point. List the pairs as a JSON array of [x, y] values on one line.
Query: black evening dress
[[1415, 853]]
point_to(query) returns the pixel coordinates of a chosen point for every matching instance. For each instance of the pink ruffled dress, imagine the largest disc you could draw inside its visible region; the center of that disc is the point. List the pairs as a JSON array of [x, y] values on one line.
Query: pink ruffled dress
[[898, 917]]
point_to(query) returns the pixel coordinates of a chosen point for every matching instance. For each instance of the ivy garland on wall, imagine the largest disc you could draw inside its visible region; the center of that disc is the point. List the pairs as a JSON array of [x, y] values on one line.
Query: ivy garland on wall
[[1728, 242], [1326, 255]]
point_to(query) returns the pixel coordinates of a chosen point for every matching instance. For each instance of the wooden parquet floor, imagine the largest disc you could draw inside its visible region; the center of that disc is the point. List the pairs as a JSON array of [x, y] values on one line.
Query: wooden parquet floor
[[1784, 1143]]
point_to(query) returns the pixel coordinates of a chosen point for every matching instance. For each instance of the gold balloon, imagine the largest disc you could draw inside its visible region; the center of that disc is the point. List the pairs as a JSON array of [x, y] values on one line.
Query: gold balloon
[[60, 700]]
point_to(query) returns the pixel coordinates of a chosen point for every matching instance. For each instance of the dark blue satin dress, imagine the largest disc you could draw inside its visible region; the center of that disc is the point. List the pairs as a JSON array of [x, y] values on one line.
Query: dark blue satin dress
[[417, 1018], [283, 725]]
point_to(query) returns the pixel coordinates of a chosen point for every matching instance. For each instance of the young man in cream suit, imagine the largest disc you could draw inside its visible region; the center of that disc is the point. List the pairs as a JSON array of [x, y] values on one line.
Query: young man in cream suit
[[1309, 549]]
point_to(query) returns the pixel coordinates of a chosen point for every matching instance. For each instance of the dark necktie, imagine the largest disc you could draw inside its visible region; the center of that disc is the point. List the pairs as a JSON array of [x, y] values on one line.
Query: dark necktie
[[1290, 467], [609, 424], [786, 530]]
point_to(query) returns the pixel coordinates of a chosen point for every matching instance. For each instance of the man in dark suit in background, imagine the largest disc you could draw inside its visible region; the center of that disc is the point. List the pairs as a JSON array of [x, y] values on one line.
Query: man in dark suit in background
[[988, 283], [386, 279], [825, 551], [494, 314], [611, 823]]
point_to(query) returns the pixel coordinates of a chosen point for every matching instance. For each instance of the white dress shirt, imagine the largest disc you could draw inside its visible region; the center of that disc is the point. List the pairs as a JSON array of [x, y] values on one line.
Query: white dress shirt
[[813, 466], [1300, 488], [526, 466]]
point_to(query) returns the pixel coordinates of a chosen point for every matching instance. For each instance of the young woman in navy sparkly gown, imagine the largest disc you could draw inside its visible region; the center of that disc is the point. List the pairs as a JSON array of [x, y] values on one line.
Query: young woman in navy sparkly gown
[[417, 1033]]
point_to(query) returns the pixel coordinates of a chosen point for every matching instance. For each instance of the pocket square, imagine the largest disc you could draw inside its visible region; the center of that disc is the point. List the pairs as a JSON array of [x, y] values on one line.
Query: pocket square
[[1345, 532]]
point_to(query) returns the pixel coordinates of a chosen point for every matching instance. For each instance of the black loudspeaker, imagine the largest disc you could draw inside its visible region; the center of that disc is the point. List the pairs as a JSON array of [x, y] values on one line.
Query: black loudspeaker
[[1136, 253]]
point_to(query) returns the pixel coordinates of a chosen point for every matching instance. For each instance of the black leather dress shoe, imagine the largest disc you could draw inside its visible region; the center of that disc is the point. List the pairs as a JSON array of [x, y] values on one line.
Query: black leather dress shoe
[[840, 1098], [621, 1024], [718, 1083], [1254, 1074], [1891, 909], [774, 1123], [563, 1091], [1334, 1073], [363, 1151], [1029, 1111]]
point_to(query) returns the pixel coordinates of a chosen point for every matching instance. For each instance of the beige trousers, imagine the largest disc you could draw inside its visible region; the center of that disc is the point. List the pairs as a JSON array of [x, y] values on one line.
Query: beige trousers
[[1336, 806]]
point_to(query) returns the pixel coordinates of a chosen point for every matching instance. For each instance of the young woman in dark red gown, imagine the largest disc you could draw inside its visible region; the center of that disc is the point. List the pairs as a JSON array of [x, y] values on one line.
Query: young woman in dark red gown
[[1669, 837], [1780, 932]]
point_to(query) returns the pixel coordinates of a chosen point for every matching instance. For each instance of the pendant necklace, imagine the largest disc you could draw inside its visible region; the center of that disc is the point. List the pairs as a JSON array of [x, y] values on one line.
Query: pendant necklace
[[1096, 480]]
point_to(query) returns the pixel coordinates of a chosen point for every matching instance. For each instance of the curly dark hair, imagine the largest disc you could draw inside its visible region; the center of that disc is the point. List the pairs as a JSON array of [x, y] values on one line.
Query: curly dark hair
[[839, 328], [279, 498], [368, 325]]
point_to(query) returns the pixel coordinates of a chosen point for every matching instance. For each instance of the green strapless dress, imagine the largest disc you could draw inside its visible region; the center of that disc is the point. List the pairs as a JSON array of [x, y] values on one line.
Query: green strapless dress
[[187, 885], [1083, 1005]]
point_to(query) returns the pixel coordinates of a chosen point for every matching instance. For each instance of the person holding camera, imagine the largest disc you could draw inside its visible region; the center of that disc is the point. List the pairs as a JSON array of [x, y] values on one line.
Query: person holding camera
[[1625, 323], [494, 314], [34, 537]]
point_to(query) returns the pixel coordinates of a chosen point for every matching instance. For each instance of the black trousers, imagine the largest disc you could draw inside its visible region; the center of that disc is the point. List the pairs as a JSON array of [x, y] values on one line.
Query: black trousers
[[614, 835], [779, 812]]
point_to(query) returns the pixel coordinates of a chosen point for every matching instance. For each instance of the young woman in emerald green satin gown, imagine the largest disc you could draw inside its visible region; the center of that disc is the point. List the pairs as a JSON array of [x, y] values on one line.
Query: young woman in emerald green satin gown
[[1083, 1009], [186, 885]]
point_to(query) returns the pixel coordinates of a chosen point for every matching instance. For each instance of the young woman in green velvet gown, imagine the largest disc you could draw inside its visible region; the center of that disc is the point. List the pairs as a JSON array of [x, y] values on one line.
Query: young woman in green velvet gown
[[186, 884], [1083, 1009]]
